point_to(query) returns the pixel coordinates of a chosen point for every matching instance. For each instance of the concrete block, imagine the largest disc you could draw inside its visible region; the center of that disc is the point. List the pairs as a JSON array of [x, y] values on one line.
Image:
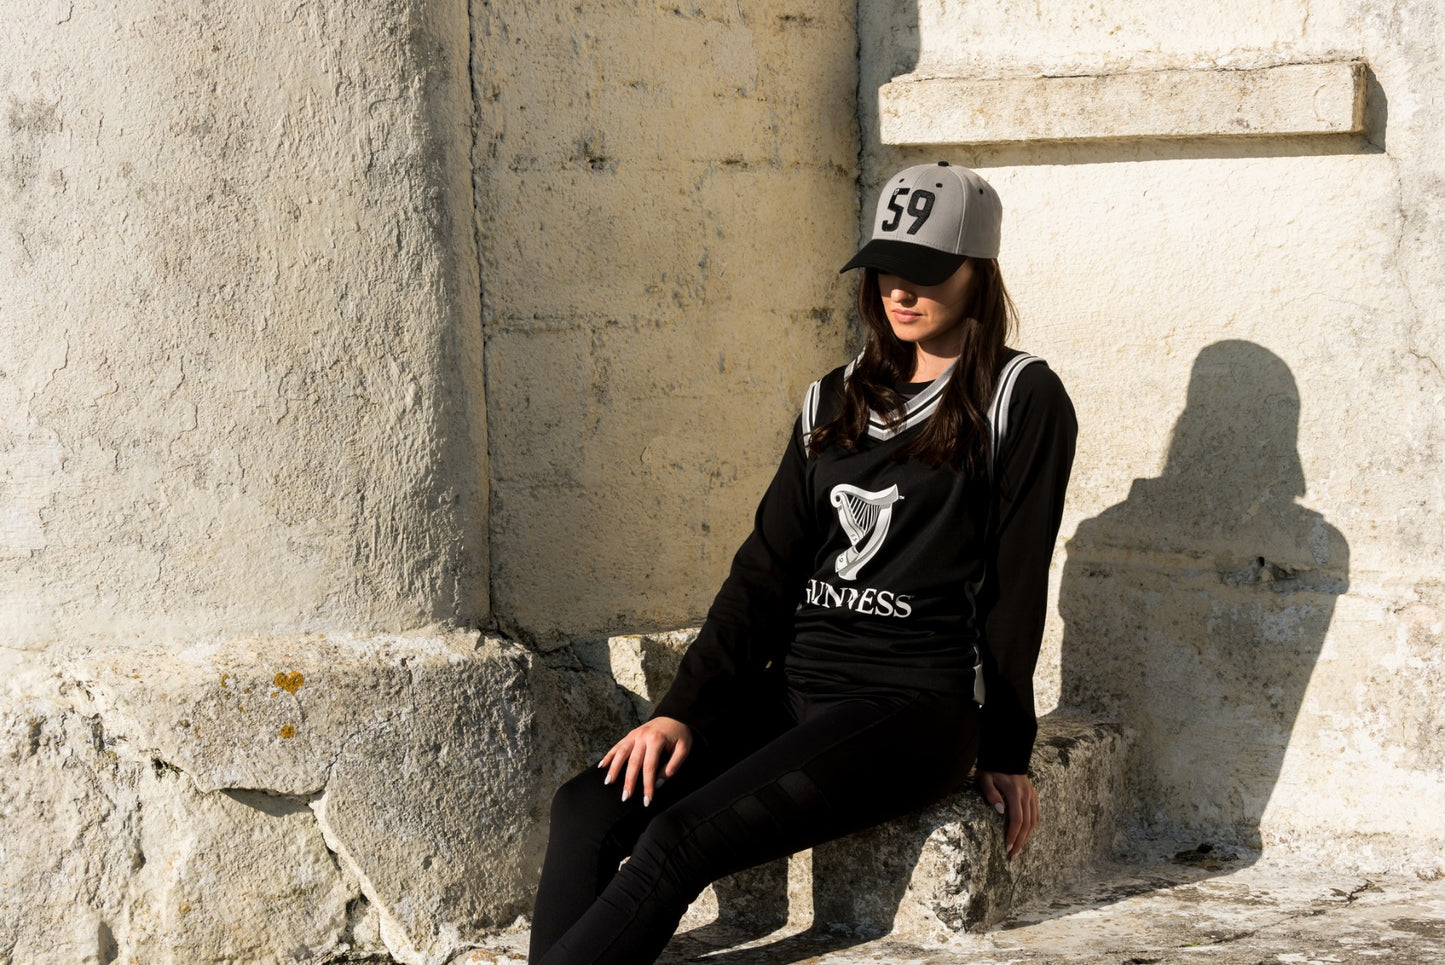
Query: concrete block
[[1323, 98], [678, 245], [642, 664], [663, 86], [942, 871], [270, 800], [664, 195]]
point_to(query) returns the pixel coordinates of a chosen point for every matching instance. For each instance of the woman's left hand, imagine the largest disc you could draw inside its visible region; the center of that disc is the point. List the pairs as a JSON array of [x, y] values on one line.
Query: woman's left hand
[[1013, 796]]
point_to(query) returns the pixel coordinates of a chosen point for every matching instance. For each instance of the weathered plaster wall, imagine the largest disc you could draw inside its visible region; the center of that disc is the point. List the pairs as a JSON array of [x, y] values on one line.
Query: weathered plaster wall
[[240, 356], [243, 439], [664, 194], [1249, 329]]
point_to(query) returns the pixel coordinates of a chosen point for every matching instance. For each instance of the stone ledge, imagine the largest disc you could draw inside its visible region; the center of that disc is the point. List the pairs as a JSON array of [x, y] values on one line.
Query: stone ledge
[[1290, 99], [961, 879], [933, 874], [268, 800], [942, 871]]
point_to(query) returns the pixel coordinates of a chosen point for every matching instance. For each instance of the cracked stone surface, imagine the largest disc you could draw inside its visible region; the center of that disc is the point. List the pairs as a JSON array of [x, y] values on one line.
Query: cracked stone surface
[[942, 870], [1152, 909], [290, 800]]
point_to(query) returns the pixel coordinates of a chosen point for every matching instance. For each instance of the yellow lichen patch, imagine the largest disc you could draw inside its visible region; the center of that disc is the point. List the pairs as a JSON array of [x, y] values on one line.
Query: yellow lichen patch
[[287, 731], [184, 908], [289, 682], [224, 678]]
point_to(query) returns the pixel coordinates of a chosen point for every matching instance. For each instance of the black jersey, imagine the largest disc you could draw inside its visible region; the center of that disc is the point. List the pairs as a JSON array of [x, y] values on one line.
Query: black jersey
[[867, 573]]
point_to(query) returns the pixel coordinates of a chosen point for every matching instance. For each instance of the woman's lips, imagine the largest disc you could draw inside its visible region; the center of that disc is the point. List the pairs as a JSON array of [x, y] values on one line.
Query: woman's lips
[[903, 315]]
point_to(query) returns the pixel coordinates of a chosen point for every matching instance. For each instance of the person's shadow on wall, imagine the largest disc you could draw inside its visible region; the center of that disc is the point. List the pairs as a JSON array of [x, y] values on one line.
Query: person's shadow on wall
[[1195, 610]]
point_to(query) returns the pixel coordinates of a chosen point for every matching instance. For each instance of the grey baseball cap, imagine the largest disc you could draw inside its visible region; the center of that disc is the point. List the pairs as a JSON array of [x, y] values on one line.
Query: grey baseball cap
[[930, 218]]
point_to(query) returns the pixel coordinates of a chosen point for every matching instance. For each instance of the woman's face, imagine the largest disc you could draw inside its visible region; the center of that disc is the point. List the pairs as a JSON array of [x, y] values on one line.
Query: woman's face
[[929, 316]]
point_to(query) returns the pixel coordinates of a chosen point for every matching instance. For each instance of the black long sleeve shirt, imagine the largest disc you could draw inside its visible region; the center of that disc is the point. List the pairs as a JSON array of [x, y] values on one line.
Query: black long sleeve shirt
[[854, 578]]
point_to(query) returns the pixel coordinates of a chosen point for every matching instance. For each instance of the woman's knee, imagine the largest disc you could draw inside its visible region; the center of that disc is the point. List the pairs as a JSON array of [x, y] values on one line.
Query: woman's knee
[[683, 848], [583, 799]]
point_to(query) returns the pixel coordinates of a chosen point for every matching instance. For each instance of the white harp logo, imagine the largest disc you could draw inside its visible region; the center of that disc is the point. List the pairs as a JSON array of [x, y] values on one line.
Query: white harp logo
[[865, 517]]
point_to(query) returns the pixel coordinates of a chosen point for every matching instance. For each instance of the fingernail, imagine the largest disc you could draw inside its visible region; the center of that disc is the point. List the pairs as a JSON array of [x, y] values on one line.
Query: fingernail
[[607, 779], [998, 807], [600, 763], [646, 800], [626, 795]]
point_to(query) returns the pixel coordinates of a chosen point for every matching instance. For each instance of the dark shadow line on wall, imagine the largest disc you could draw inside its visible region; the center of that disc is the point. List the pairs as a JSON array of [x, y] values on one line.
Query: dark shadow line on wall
[[474, 125]]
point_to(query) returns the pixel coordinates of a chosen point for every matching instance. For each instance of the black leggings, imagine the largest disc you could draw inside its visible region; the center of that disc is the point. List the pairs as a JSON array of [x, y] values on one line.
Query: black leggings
[[803, 773]]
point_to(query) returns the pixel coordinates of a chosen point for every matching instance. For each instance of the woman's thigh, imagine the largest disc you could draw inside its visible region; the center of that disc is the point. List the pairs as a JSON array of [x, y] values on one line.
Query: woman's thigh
[[584, 809], [845, 766]]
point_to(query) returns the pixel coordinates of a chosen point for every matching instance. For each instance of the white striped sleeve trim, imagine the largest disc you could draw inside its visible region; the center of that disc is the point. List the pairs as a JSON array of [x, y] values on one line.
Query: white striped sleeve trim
[[1002, 396], [810, 409], [809, 418]]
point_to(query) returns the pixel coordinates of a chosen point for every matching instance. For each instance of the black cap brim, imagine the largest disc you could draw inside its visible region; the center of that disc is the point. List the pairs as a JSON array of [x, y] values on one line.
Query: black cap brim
[[917, 263]]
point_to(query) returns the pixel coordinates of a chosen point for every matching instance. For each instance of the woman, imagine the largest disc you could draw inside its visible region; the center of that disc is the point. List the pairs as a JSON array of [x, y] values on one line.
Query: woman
[[878, 631]]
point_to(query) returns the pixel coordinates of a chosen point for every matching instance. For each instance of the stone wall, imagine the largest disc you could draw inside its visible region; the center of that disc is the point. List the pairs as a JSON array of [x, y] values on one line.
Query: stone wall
[[334, 333], [245, 473], [240, 370], [664, 196], [283, 798], [241, 398], [1248, 325]]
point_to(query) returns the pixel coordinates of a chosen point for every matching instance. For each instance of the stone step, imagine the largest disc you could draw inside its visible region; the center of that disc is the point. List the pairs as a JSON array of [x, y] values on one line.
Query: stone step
[[928, 876], [933, 874], [941, 871]]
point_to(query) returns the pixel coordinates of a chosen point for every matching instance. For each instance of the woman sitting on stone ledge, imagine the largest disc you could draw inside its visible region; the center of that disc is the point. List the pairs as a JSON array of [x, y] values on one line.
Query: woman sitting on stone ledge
[[878, 631]]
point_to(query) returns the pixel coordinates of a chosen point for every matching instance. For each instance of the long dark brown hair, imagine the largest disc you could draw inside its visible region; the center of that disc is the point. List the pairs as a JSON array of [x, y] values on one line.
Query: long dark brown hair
[[957, 432]]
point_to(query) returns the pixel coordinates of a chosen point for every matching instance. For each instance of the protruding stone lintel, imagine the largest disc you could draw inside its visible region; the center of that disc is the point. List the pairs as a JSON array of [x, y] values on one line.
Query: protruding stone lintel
[[1289, 99]]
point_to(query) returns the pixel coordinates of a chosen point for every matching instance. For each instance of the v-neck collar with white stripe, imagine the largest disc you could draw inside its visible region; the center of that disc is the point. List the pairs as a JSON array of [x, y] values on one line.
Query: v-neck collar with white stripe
[[916, 410]]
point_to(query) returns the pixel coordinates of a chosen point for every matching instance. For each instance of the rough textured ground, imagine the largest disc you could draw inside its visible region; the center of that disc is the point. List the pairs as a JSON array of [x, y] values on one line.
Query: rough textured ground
[[1154, 910]]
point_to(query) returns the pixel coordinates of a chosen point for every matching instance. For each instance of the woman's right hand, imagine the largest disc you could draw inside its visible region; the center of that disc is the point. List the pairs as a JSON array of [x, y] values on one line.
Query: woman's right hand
[[1013, 796], [641, 751]]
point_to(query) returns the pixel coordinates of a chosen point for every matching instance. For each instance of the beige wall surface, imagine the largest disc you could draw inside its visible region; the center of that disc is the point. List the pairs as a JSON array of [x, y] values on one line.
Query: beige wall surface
[[239, 338], [1249, 330], [664, 196], [329, 322]]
